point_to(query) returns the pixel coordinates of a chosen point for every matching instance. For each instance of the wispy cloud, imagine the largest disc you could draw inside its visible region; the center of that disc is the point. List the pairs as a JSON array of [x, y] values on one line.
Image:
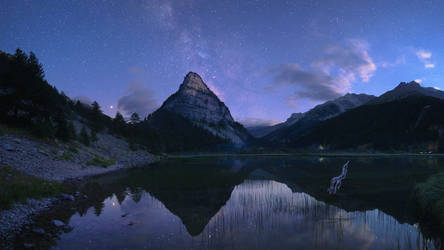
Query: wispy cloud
[[425, 57], [83, 99], [429, 65], [138, 99], [399, 61], [330, 76], [254, 121]]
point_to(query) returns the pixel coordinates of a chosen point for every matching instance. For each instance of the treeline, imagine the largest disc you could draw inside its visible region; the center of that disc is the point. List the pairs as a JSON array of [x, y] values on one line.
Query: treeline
[[28, 101], [412, 124]]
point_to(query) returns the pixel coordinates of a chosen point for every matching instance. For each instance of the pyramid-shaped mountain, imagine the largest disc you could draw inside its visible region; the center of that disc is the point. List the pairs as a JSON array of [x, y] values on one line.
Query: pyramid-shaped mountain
[[195, 102]]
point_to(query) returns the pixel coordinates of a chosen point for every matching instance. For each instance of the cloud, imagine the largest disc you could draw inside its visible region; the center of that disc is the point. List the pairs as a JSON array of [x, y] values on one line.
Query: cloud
[[429, 65], [139, 99], [253, 121], [422, 54], [425, 57], [312, 84], [83, 99], [398, 61], [418, 80], [328, 77]]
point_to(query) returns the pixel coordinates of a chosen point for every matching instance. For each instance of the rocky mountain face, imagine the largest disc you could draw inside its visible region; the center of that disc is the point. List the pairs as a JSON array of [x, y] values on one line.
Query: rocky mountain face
[[404, 90], [195, 102], [298, 123]]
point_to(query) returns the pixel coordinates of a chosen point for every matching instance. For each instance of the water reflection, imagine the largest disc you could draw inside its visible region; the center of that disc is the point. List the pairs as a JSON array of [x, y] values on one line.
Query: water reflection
[[246, 203], [260, 214]]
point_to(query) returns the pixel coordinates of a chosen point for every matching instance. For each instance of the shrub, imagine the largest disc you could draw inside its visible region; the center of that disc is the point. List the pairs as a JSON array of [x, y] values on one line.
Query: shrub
[[72, 131], [65, 157], [16, 186], [94, 137], [43, 129], [84, 138], [100, 161], [430, 197], [73, 149]]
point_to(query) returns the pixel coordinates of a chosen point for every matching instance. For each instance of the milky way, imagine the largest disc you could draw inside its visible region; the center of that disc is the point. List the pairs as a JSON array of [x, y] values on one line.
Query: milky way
[[264, 59]]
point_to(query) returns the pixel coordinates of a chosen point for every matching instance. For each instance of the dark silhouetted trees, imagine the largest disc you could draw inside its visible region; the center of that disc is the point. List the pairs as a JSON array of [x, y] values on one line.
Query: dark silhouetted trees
[[134, 118], [84, 137]]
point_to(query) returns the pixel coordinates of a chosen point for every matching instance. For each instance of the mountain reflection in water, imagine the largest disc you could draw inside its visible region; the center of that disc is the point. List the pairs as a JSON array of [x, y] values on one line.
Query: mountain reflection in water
[[250, 204]]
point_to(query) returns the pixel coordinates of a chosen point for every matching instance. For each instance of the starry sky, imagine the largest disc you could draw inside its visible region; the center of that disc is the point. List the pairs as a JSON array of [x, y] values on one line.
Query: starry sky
[[264, 59]]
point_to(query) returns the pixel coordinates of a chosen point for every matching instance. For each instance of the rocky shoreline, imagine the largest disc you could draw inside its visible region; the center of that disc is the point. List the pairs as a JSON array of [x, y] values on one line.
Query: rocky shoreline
[[60, 162]]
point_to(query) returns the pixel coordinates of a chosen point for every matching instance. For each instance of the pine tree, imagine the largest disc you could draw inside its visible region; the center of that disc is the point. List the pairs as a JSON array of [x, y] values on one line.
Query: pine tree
[[96, 109], [119, 123], [96, 116], [20, 57], [94, 137], [62, 131], [84, 138], [134, 118], [36, 66], [72, 131]]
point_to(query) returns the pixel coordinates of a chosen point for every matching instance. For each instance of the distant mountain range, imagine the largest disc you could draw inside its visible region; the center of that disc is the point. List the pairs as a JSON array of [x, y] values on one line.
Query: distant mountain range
[[300, 122], [414, 123], [407, 118]]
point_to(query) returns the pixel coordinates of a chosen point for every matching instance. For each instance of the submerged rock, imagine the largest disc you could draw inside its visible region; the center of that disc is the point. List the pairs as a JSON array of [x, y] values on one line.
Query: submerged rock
[[67, 197], [58, 223], [8, 147], [28, 245], [38, 230]]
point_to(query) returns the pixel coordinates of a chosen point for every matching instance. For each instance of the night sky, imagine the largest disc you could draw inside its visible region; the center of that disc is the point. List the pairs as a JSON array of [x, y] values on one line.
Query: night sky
[[264, 59]]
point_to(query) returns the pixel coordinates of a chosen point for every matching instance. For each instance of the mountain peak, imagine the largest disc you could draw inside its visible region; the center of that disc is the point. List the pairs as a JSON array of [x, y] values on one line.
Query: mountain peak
[[410, 85], [197, 103], [194, 81], [404, 90]]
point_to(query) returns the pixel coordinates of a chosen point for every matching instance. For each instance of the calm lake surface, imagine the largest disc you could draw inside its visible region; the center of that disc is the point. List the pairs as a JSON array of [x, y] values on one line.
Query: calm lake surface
[[247, 203]]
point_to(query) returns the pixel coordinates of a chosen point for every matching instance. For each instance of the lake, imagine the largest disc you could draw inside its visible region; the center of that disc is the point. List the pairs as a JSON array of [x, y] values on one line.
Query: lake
[[263, 202]]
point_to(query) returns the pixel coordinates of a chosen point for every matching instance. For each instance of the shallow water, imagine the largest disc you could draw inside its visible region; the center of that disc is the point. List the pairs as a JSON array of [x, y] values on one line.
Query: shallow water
[[248, 203]]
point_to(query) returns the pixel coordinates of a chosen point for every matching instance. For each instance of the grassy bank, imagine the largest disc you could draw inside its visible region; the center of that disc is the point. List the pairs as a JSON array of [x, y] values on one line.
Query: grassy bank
[[16, 186], [100, 161], [430, 197]]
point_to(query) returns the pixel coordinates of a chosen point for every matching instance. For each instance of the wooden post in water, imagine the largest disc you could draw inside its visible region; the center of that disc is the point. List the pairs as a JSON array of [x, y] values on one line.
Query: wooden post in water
[[336, 182]]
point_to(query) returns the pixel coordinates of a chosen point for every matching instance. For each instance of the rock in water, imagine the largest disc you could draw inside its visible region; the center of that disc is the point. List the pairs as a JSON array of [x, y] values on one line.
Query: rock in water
[[8, 147], [58, 223]]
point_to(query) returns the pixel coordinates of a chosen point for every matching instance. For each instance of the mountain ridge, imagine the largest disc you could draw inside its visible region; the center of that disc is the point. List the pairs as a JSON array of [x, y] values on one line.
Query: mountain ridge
[[319, 113], [403, 90]]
